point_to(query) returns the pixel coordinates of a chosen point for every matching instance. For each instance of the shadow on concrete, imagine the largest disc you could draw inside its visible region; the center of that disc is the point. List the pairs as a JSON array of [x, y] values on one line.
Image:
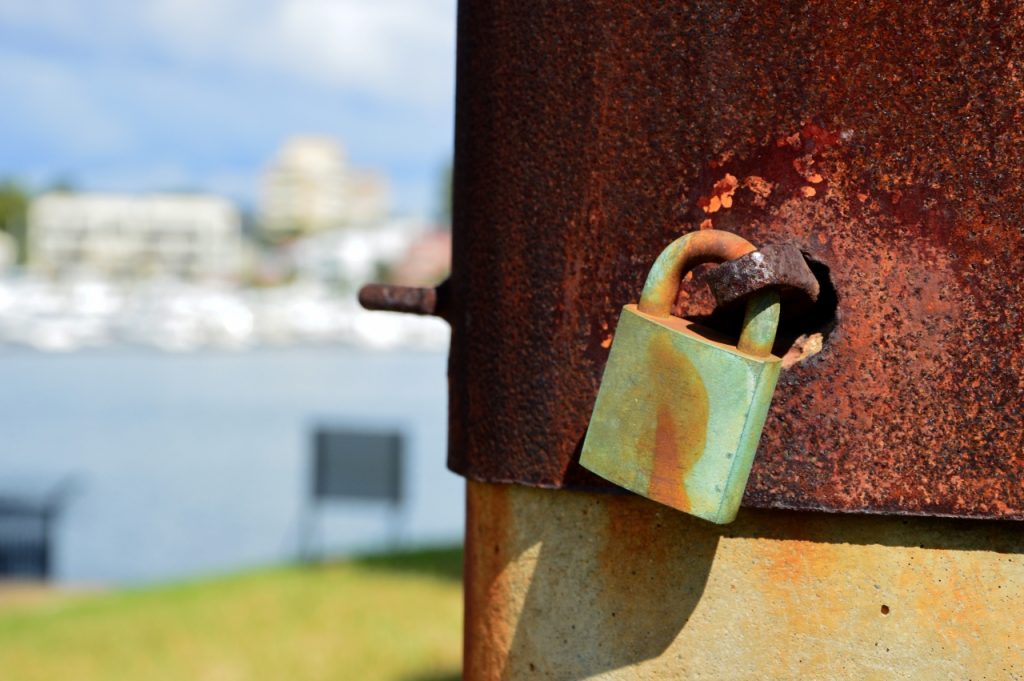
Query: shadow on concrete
[[637, 573], [945, 534]]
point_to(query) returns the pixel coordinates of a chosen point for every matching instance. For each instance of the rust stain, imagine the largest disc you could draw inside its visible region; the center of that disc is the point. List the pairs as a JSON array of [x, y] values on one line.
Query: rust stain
[[630, 526], [649, 561], [760, 187], [489, 549], [721, 160], [792, 141], [952, 598], [721, 194], [681, 426], [670, 465]]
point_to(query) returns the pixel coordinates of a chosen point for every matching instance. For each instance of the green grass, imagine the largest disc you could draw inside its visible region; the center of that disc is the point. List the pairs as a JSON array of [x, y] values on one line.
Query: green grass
[[392, 617]]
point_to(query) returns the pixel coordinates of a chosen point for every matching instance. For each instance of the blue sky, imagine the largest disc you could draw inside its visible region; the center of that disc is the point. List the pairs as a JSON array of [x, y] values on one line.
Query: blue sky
[[136, 95]]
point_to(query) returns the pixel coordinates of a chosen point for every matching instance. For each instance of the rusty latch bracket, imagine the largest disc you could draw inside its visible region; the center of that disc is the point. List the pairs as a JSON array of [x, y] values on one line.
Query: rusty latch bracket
[[774, 265]]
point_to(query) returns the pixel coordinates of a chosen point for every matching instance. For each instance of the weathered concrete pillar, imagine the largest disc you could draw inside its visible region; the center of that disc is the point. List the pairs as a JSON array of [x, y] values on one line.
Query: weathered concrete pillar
[[571, 585]]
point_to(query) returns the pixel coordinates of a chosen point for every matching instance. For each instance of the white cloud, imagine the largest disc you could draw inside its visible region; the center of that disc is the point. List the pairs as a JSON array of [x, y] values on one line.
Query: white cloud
[[407, 45], [396, 49]]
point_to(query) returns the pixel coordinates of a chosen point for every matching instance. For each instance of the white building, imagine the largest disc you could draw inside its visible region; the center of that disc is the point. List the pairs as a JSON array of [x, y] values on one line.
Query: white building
[[309, 188], [351, 257], [8, 251], [122, 236]]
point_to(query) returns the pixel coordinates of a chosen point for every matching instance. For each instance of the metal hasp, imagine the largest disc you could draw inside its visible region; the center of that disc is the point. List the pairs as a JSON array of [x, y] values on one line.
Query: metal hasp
[[680, 409], [781, 266], [885, 139]]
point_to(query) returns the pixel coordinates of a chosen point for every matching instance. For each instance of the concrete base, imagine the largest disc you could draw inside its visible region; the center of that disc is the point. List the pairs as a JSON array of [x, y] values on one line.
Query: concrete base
[[563, 585]]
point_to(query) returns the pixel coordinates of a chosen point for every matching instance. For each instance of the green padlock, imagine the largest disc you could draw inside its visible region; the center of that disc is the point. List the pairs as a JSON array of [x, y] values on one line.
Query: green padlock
[[680, 410]]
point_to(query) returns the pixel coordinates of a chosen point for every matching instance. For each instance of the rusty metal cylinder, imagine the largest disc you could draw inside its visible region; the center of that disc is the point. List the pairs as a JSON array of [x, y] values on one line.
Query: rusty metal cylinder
[[885, 139]]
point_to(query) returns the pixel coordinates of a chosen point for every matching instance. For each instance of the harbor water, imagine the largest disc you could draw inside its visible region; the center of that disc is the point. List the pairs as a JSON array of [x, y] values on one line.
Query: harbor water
[[183, 465]]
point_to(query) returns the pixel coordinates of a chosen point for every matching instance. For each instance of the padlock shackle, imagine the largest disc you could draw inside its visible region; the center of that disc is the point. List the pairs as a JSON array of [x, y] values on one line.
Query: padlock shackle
[[761, 319]]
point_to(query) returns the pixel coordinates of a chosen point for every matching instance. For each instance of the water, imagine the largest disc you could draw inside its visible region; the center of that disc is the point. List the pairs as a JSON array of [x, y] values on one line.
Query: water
[[199, 463]]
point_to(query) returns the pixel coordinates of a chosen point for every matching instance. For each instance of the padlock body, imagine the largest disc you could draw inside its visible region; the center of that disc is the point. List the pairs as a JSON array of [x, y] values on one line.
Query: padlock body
[[679, 414]]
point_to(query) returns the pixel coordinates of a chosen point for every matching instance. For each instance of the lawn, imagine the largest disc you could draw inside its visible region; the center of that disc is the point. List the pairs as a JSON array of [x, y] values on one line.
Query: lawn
[[394, 617]]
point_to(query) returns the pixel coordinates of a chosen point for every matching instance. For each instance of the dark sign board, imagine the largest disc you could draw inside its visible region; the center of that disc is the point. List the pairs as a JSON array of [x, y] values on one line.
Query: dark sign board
[[357, 464], [27, 518]]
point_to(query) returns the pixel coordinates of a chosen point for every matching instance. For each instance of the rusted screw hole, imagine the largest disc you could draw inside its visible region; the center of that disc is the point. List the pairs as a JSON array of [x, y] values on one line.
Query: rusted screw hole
[[803, 333], [885, 609]]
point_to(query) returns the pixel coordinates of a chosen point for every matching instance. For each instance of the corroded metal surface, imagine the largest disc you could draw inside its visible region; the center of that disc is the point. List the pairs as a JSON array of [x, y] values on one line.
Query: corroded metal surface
[[781, 266], [680, 411], [407, 299], [885, 139], [568, 585]]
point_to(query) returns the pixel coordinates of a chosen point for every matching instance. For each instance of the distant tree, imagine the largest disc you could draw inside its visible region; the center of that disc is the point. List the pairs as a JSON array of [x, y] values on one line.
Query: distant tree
[[382, 272], [62, 185], [14, 199]]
